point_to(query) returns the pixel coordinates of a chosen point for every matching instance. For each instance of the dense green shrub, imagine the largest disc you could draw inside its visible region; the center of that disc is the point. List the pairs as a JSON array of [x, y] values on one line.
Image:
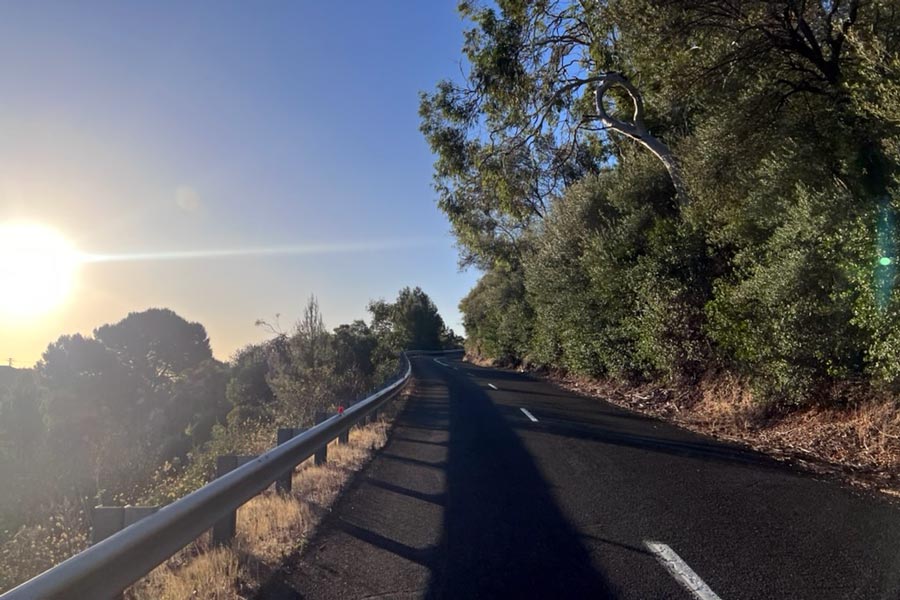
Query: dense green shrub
[[497, 317]]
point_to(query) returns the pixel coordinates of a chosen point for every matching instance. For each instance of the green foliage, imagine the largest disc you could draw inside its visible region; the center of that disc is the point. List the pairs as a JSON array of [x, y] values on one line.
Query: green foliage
[[497, 317], [411, 322], [247, 390], [95, 413], [617, 279], [301, 370], [780, 264], [157, 344], [356, 362], [197, 402]]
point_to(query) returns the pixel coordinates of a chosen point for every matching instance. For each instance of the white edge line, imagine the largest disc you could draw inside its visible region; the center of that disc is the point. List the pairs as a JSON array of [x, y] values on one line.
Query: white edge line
[[492, 386], [681, 571], [529, 415]]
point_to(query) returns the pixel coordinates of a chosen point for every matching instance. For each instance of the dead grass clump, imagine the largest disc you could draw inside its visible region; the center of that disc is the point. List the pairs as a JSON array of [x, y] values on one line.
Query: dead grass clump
[[727, 404], [269, 525], [877, 428], [865, 438], [216, 574]]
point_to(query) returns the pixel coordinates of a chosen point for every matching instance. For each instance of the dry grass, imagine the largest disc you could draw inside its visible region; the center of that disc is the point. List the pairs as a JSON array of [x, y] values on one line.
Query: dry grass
[[269, 527], [215, 574], [726, 404], [865, 438], [270, 524], [862, 433]]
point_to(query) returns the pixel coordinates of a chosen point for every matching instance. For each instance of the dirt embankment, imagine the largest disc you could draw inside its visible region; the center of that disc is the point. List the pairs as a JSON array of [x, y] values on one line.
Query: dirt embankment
[[858, 442]]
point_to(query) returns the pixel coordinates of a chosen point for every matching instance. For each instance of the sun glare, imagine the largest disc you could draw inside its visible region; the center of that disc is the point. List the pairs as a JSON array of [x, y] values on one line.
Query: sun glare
[[37, 269]]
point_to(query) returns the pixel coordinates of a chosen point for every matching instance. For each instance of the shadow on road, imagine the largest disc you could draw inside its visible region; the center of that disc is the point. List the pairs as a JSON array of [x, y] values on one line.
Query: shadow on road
[[669, 440], [503, 534], [454, 507]]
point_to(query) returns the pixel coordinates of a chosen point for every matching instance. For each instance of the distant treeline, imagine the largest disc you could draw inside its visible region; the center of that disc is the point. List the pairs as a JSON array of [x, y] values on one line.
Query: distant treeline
[[729, 206], [137, 412]]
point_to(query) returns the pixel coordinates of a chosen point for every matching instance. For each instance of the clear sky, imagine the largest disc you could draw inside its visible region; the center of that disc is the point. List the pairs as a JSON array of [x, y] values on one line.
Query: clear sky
[[145, 128]]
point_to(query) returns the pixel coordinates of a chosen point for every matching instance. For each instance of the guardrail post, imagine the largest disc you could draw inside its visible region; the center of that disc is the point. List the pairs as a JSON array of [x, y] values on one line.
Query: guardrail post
[[361, 422], [283, 484], [344, 437], [224, 529], [321, 453], [105, 521]]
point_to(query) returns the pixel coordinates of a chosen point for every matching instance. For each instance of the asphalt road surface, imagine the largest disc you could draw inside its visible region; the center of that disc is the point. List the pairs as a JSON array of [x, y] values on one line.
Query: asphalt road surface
[[496, 485]]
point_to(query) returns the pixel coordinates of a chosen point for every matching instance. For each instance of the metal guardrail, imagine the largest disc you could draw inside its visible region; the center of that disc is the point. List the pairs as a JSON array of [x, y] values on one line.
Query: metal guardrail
[[107, 568]]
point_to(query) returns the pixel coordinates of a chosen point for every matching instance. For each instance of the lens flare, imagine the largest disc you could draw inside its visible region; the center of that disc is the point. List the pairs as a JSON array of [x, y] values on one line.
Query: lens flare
[[288, 250], [885, 270]]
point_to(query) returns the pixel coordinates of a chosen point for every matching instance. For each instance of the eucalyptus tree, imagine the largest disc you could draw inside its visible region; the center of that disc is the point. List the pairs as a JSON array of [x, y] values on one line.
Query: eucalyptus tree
[[545, 81]]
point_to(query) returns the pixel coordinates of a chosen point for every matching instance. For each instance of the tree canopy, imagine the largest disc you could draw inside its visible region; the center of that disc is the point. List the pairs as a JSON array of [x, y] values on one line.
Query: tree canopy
[[411, 322], [660, 189]]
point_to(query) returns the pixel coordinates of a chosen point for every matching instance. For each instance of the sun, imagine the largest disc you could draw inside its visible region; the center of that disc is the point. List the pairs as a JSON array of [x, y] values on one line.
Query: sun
[[37, 269]]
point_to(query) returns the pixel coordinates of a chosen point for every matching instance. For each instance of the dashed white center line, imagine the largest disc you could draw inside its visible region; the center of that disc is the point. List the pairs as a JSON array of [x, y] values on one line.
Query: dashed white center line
[[529, 415], [443, 364], [492, 386], [681, 571]]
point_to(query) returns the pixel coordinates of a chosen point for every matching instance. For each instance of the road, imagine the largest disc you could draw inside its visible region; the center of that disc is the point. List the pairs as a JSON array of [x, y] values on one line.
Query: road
[[474, 497]]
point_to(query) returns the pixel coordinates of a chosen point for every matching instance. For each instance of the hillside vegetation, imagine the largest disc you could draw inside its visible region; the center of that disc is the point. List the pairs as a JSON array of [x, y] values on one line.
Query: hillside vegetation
[[679, 192], [138, 412]]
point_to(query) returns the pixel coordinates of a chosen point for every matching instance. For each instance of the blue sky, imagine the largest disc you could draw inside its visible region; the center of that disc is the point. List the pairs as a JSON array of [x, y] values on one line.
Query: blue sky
[[159, 127]]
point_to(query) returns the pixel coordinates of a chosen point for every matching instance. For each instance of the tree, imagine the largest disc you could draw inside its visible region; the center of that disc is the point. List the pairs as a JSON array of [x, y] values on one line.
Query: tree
[[354, 352], [530, 118], [412, 322], [94, 411], [23, 460], [157, 344], [248, 391], [21, 419], [497, 316], [198, 401], [301, 373], [158, 347]]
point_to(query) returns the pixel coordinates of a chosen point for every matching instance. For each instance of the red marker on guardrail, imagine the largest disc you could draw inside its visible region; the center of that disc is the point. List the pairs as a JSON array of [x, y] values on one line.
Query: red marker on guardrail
[[340, 410]]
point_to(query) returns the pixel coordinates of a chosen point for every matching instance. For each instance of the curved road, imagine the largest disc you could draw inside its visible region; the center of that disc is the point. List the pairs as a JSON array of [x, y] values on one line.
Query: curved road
[[474, 497]]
